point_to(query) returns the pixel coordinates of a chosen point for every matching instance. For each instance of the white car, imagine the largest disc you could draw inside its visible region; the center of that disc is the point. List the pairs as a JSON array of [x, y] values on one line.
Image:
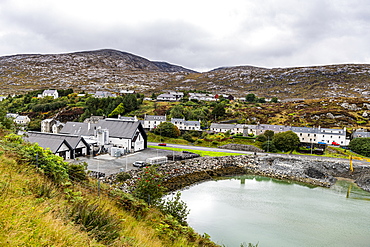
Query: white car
[[139, 164]]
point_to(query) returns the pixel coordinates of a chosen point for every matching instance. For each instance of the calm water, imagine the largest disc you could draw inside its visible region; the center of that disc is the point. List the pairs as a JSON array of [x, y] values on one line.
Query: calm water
[[270, 212]]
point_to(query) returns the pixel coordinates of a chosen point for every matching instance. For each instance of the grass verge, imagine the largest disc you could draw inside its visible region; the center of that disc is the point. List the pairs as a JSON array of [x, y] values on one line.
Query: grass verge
[[200, 152]]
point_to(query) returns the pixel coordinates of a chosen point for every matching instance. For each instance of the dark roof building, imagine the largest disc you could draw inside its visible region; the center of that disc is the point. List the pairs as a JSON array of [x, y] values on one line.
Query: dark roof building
[[66, 146]]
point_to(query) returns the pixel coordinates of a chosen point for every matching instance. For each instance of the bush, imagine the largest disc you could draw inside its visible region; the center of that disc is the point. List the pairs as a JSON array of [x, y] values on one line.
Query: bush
[[261, 138], [360, 146], [175, 207], [51, 165], [188, 137], [76, 172], [122, 176], [149, 185]]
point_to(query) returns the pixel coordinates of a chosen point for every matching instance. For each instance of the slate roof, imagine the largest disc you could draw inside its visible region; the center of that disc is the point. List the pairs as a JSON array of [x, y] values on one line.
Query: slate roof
[[52, 140], [117, 128], [154, 118], [48, 140], [222, 126]]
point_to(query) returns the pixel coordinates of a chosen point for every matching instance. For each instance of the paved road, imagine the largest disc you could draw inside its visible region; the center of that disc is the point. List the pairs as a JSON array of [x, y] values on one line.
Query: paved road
[[109, 165]]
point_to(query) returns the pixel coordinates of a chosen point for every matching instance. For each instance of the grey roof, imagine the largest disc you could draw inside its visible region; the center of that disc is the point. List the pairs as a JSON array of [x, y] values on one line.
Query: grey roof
[[166, 95], [116, 127], [52, 140], [77, 128], [273, 127], [177, 120], [50, 91], [191, 122], [154, 118], [362, 134], [222, 126]]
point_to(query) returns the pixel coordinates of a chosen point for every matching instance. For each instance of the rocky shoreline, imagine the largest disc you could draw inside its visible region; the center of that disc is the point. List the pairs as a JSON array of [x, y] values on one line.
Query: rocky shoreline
[[309, 170]]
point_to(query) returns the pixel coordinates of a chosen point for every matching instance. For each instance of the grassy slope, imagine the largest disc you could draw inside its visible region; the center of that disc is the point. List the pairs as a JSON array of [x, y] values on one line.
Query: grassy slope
[[34, 212]]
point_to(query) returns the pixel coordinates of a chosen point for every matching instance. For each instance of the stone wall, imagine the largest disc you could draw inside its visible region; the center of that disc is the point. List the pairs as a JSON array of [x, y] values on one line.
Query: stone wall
[[316, 171]]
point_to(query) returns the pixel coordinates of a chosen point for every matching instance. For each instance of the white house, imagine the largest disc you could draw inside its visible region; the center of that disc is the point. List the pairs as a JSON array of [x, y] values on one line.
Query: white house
[[182, 124], [49, 93], [166, 97], [171, 96], [103, 94], [202, 97], [152, 121], [223, 128], [22, 120]]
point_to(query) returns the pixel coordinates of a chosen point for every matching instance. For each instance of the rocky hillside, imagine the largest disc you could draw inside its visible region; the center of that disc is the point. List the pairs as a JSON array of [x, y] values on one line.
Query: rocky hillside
[[115, 70]]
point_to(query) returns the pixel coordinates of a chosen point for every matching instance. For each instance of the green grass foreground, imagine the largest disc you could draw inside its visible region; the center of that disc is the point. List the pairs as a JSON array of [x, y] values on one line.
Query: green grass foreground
[[37, 211], [200, 152]]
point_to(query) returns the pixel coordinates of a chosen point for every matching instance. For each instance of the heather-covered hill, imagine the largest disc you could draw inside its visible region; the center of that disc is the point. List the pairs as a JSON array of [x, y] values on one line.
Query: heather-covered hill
[[113, 70]]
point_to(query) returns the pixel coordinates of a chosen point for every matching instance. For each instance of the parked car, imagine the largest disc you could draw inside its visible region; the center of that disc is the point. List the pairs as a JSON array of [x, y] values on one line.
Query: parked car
[[139, 163], [162, 144]]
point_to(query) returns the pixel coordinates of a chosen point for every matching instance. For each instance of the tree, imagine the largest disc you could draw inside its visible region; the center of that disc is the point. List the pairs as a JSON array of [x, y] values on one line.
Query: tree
[[261, 138], [250, 97], [177, 111], [219, 110], [167, 129], [269, 134], [130, 102], [268, 146], [360, 146], [286, 141], [120, 109]]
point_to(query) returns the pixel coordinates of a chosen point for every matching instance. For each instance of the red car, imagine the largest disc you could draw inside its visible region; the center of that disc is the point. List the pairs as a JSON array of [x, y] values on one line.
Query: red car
[[335, 144], [162, 144]]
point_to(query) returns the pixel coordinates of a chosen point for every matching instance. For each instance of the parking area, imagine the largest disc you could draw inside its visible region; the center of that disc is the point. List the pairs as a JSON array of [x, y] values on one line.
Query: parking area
[[109, 165]]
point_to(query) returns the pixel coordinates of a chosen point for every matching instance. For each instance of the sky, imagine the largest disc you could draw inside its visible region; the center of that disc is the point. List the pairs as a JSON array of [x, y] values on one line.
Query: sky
[[197, 34]]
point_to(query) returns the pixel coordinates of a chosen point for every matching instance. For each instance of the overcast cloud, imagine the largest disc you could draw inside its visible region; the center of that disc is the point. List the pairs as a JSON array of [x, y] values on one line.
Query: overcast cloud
[[197, 34]]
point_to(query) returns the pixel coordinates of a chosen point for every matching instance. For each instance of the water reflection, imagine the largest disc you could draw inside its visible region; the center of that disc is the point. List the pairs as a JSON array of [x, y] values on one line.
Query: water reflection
[[279, 213]]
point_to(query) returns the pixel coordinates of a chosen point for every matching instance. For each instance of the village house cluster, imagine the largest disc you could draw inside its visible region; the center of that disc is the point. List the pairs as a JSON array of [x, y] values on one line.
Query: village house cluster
[[122, 135]]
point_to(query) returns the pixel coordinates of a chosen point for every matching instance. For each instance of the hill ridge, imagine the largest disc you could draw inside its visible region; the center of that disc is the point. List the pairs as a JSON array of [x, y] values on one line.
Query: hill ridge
[[113, 70]]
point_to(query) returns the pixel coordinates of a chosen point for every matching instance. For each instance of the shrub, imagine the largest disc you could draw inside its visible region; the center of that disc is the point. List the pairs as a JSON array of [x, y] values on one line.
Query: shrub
[[149, 185], [188, 137], [360, 146], [175, 207], [76, 172], [261, 138], [122, 176]]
